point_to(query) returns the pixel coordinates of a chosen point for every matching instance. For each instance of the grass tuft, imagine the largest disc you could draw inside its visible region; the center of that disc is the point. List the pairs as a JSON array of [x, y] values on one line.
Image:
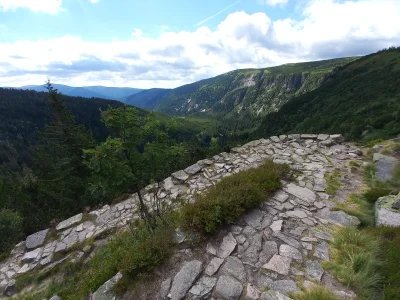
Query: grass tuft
[[332, 182], [316, 293]]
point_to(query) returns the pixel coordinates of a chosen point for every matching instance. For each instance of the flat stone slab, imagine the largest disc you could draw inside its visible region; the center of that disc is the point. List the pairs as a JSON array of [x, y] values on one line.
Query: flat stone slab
[[385, 214], [193, 169], [274, 295], [233, 266], [279, 264], [35, 240], [202, 289], [254, 218], [227, 246], [283, 286], [322, 251], [302, 193], [104, 292], [228, 288], [314, 269], [213, 266], [340, 218], [185, 278], [69, 222], [291, 252], [384, 166], [180, 176]]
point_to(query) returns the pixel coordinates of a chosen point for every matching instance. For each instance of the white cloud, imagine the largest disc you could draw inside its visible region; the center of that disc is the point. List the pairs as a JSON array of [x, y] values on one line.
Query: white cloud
[[45, 6], [326, 29], [94, 1], [273, 2]]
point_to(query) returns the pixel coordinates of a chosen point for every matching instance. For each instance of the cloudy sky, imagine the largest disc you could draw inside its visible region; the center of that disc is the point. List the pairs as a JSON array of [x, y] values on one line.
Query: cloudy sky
[[167, 43]]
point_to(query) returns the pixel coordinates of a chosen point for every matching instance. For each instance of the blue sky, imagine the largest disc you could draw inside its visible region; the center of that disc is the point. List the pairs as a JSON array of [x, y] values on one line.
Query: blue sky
[[167, 43]]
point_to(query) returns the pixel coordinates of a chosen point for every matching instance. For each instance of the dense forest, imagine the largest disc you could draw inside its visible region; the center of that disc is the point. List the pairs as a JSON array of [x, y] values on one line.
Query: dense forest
[[361, 101]]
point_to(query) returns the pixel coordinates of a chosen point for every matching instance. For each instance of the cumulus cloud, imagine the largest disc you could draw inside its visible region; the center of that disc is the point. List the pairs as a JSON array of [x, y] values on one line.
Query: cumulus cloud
[[45, 6], [325, 29]]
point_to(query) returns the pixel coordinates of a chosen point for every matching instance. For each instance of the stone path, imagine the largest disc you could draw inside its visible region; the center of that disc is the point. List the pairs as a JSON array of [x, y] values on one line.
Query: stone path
[[270, 248]]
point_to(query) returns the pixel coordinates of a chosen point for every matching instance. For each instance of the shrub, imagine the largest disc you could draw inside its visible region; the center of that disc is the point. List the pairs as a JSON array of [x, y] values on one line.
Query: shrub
[[376, 192], [356, 261], [316, 293], [10, 229], [223, 203]]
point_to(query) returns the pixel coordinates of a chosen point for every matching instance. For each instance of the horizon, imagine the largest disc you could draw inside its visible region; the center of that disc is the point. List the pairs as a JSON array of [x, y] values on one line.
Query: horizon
[[83, 43]]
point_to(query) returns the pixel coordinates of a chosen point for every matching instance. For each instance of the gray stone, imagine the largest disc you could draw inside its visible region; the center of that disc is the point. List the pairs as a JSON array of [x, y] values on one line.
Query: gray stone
[[179, 235], [314, 269], [252, 292], [228, 288], [180, 176], [396, 205], [164, 288], [275, 139], [213, 266], [283, 286], [296, 214], [287, 239], [168, 184], [322, 137], [227, 246], [385, 214], [211, 249], [193, 169], [384, 166], [289, 251], [104, 292], [69, 222], [281, 196], [302, 193], [234, 267], [255, 245], [274, 295], [276, 225], [10, 289], [32, 255], [55, 298], [202, 289], [279, 264], [185, 278], [254, 218], [322, 251], [35, 240], [270, 248], [338, 138], [340, 218]]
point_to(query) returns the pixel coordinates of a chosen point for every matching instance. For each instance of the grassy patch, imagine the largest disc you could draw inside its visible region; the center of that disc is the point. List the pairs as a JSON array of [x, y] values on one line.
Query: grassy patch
[[355, 261], [357, 205], [316, 293], [332, 182], [223, 203]]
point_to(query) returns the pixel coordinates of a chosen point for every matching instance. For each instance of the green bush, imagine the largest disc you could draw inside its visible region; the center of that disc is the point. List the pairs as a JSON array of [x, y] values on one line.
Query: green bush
[[10, 229], [376, 192], [355, 261], [223, 203]]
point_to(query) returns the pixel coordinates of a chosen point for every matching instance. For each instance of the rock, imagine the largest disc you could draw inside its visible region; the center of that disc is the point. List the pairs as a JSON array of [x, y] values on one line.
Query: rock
[[193, 169], [385, 214], [337, 138], [234, 267], [69, 222], [211, 249], [255, 245], [279, 264], [270, 248], [281, 196], [274, 295], [283, 286], [276, 225], [168, 184], [296, 214], [104, 292], [228, 288], [254, 218], [179, 235], [37, 239], [384, 166], [19, 248], [24, 269], [314, 269], [322, 137], [10, 289], [185, 278], [180, 176], [287, 239], [227, 246], [322, 251], [213, 266], [309, 136], [202, 289], [275, 139], [396, 205], [289, 251], [252, 292], [55, 298], [340, 218], [300, 192], [32, 255], [164, 288]]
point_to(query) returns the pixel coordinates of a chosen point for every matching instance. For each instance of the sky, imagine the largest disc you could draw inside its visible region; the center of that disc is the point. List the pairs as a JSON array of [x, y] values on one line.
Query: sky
[[169, 43]]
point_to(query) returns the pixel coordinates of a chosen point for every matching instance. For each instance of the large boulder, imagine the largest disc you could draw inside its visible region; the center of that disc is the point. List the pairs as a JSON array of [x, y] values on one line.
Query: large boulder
[[185, 278], [386, 211], [384, 166], [37, 239], [104, 292]]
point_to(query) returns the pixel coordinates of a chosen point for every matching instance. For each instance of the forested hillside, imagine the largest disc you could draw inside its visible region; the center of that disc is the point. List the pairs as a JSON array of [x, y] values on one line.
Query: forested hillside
[[361, 101], [240, 97]]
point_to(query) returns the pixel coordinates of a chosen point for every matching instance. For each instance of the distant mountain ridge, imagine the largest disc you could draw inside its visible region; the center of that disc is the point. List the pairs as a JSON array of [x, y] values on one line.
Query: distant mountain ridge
[[110, 93], [242, 96]]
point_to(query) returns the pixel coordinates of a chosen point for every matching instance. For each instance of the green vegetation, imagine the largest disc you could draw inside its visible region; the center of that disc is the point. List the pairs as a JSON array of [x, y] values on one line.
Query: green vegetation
[[332, 182], [10, 229], [357, 205], [231, 197], [361, 101], [315, 293]]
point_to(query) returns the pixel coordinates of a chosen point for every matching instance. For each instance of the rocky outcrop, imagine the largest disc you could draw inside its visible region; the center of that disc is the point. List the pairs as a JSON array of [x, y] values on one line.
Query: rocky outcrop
[[388, 211], [270, 241]]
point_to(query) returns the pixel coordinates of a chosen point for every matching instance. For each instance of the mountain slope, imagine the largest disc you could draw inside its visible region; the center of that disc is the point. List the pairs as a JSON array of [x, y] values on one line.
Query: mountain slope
[[362, 100], [147, 99], [111, 93], [241, 94]]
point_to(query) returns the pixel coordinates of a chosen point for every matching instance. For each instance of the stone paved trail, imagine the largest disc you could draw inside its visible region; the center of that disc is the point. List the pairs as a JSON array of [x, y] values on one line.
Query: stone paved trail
[[274, 247], [271, 248]]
